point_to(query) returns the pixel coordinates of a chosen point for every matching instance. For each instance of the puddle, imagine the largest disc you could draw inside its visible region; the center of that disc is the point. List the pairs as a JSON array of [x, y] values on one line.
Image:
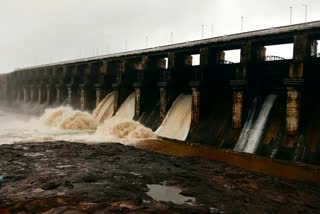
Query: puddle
[[168, 194]]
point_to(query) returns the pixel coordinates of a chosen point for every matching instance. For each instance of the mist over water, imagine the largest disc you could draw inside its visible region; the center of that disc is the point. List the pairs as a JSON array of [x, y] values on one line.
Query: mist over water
[[16, 127], [68, 119], [66, 124]]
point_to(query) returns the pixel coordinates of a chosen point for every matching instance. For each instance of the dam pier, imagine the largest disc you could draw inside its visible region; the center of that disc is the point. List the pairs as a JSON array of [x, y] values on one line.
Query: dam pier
[[229, 100]]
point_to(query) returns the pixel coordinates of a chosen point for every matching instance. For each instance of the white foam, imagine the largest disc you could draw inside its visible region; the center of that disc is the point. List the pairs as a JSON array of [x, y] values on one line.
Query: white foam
[[67, 118], [66, 124], [253, 130], [123, 129]]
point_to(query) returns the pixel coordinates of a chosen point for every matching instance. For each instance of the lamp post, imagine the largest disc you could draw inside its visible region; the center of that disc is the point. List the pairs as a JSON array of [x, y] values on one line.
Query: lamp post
[[202, 35], [305, 12], [147, 41], [211, 30], [241, 24], [171, 37], [290, 15]]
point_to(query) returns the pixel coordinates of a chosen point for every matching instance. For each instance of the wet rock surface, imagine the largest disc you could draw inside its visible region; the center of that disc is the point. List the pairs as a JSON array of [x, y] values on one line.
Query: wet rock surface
[[62, 177]]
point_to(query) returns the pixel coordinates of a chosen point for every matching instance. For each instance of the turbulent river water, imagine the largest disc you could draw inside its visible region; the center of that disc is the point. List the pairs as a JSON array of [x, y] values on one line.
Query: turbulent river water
[[66, 124]]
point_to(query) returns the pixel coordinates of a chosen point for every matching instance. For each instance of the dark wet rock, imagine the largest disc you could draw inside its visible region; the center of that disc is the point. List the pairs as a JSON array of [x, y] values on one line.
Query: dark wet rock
[[62, 177]]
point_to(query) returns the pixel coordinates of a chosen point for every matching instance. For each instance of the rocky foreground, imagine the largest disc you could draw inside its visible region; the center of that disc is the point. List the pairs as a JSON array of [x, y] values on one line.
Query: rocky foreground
[[64, 177]]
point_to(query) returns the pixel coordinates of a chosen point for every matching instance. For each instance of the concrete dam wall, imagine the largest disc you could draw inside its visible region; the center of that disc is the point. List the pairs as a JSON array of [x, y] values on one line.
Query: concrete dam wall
[[221, 97]]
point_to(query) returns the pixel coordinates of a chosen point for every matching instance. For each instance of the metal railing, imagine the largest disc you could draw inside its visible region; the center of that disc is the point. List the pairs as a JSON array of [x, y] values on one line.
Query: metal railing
[[224, 62], [274, 58]]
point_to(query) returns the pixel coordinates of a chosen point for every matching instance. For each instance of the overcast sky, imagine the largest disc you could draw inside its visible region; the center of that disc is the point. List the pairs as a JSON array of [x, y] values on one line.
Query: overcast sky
[[36, 32]]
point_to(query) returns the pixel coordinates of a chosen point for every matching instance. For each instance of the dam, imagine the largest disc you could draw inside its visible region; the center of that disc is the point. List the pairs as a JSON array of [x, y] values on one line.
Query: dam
[[263, 105]]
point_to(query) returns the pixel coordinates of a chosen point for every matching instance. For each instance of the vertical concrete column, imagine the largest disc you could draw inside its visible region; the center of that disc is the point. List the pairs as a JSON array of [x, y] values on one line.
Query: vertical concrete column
[[115, 100], [120, 68], [163, 84], [4, 86], [140, 68], [31, 93], [5, 91], [220, 56], [25, 94], [69, 97], [188, 60], [58, 95], [195, 108], [162, 69], [84, 88], [195, 86], [98, 96], [49, 94], [237, 107], [238, 92], [195, 93], [100, 87], [21, 95], [163, 103], [303, 49], [204, 56], [171, 60], [18, 95], [1, 87], [83, 97], [251, 55], [137, 92], [41, 94], [293, 110]]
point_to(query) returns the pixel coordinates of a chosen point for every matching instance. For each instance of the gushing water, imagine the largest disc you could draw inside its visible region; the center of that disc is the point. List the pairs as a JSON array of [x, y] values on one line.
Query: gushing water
[[105, 108], [115, 129], [253, 130], [66, 124], [176, 124], [67, 118], [16, 127], [243, 139], [122, 126], [127, 109]]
